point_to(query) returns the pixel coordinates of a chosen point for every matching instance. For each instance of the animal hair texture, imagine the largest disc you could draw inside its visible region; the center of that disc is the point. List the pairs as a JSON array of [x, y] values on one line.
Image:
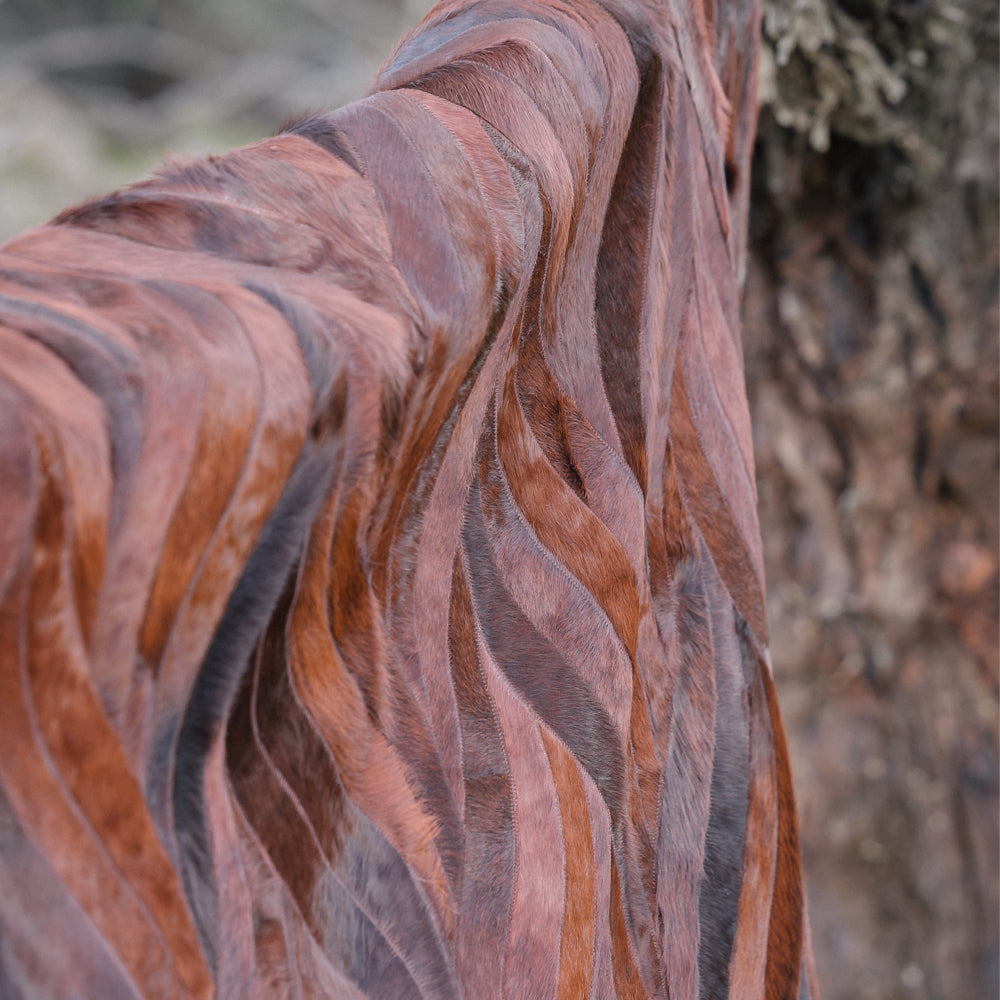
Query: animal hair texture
[[381, 585]]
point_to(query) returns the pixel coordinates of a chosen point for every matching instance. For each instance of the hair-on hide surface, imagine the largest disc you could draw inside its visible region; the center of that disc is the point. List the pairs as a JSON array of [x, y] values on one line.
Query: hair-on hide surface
[[381, 590]]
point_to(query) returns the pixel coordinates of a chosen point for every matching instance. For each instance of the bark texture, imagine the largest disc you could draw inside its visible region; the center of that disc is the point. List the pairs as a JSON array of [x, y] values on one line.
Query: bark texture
[[871, 344]]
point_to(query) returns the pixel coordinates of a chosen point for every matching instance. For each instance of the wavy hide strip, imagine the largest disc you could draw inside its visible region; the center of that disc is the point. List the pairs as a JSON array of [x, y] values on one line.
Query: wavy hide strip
[[381, 594]]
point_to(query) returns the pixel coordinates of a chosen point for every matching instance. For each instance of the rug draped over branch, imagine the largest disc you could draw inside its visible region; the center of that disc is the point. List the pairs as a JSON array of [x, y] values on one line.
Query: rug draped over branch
[[381, 594]]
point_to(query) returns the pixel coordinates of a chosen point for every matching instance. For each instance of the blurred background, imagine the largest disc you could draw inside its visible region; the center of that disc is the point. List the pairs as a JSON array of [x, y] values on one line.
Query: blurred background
[[871, 330]]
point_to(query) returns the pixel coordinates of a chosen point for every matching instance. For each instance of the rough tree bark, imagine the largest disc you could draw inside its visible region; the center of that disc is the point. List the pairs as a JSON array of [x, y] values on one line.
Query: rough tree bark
[[871, 325]]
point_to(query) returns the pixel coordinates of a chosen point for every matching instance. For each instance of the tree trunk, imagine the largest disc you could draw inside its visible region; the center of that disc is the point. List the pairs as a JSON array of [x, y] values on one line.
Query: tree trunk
[[871, 347]]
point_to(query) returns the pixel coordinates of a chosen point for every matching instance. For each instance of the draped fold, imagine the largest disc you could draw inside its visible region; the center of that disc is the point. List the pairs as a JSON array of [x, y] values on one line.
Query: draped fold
[[381, 588]]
